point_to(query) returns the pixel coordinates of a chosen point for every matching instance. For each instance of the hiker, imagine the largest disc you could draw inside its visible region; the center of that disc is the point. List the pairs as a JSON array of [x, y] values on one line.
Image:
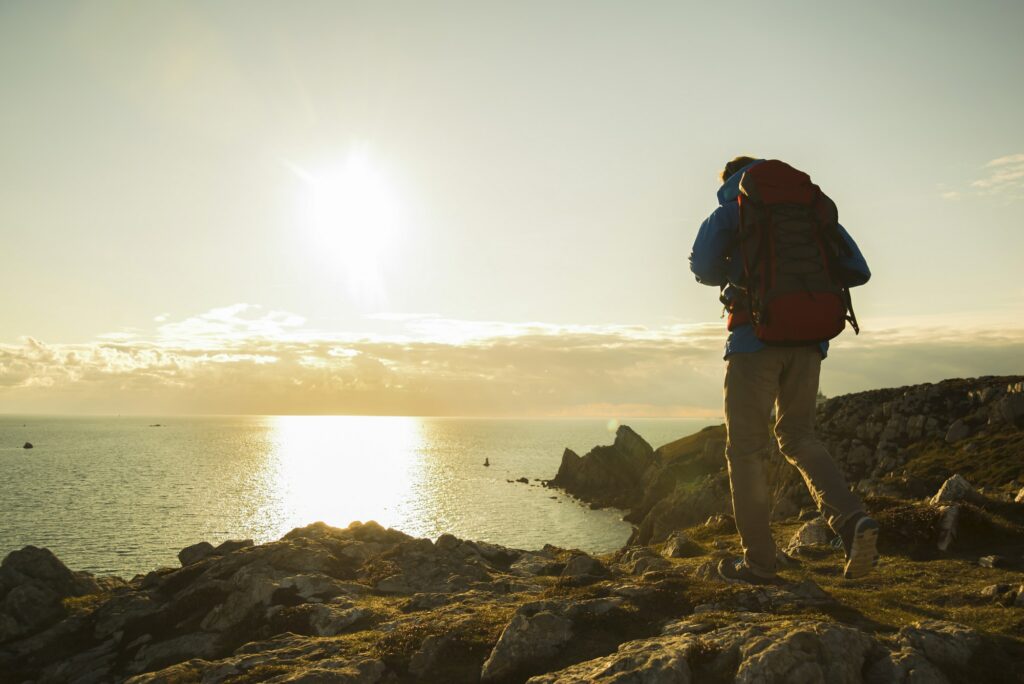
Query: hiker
[[784, 265]]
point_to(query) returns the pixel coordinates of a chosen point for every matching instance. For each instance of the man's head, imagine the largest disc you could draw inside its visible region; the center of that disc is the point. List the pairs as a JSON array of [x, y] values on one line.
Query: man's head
[[734, 166]]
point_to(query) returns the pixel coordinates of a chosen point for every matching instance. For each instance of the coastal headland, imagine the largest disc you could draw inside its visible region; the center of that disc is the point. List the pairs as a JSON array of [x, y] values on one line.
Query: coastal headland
[[941, 466]]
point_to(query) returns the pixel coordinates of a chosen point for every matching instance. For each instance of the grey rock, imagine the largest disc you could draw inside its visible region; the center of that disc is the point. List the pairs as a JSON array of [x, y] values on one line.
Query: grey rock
[[526, 639], [658, 660], [905, 666], [232, 545], [679, 545], [956, 488], [992, 562], [31, 606], [608, 475], [195, 553], [125, 612], [252, 589], [640, 559], [915, 426], [330, 619], [813, 533], [957, 431], [530, 564], [946, 644], [430, 652], [994, 591], [1009, 408], [41, 567], [802, 651], [160, 654], [777, 651], [582, 565], [315, 587]]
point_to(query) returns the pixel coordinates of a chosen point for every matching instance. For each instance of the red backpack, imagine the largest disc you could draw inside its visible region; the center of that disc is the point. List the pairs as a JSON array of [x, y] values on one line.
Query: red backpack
[[790, 245]]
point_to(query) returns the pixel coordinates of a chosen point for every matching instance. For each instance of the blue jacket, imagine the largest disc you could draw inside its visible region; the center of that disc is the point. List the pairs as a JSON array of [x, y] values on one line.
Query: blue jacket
[[709, 264]]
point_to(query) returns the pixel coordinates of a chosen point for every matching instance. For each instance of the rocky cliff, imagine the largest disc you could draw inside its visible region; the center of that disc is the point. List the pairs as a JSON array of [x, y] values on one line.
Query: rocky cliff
[[902, 442], [369, 604]]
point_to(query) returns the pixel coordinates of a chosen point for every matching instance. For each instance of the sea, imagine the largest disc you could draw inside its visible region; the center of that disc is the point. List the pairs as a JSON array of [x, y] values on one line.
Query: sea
[[122, 495]]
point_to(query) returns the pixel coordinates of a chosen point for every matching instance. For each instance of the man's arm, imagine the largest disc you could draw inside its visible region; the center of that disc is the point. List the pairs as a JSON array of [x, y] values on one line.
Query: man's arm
[[853, 265], [707, 259]]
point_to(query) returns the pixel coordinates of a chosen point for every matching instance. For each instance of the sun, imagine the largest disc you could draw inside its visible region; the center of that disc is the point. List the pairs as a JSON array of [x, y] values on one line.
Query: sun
[[353, 216]]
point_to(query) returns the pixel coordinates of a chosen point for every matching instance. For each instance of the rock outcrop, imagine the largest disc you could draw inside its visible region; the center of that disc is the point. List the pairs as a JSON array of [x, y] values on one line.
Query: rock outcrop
[[607, 475], [370, 604], [897, 443]]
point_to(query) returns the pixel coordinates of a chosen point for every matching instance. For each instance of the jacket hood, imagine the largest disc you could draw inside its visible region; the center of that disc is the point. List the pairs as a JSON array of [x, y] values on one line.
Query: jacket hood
[[730, 189]]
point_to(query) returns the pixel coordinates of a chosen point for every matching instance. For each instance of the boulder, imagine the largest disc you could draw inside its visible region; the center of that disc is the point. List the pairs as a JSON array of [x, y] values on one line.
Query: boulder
[[994, 591], [655, 660], [946, 644], [127, 613], [331, 619], [1009, 408], [582, 569], [993, 561], [906, 666], [813, 533], [28, 445], [193, 645], [430, 653], [637, 560], [956, 488], [777, 651], [679, 545], [40, 566], [195, 553], [957, 431], [528, 639], [232, 545], [31, 606], [530, 564], [33, 586]]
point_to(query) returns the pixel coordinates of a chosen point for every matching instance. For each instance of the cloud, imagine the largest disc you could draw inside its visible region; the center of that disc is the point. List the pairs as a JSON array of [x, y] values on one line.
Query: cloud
[[242, 359], [1003, 176]]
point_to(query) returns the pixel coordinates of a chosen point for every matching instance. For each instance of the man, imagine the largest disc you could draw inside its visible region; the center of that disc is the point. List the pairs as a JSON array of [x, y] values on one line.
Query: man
[[759, 375]]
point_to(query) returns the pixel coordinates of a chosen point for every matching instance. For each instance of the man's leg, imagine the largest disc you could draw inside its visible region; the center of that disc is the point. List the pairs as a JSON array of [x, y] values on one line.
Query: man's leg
[[751, 383], [798, 391]]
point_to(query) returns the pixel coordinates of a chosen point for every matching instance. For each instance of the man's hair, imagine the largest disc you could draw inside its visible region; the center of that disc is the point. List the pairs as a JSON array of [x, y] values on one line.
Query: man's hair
[[733, 166]]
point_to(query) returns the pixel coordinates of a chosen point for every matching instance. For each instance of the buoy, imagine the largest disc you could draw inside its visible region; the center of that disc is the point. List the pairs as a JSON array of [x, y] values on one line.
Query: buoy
[[487, 461], [28, 445]]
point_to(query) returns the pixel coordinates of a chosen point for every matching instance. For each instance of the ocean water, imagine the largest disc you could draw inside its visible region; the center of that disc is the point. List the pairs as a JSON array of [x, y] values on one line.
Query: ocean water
[[122, 495]]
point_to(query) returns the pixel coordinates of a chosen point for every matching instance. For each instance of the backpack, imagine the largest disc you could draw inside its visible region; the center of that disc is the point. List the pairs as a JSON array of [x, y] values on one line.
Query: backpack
[[789, 240]]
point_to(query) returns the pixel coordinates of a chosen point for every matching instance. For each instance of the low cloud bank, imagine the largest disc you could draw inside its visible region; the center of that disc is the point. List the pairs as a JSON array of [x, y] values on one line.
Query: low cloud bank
[[236, 360]]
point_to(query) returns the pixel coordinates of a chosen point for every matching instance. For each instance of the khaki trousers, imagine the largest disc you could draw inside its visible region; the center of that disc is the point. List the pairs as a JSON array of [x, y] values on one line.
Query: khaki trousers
[[787, 377]]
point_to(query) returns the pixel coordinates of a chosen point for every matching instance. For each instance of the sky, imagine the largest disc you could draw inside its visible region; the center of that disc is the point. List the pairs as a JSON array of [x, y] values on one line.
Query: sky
[[482, 208]]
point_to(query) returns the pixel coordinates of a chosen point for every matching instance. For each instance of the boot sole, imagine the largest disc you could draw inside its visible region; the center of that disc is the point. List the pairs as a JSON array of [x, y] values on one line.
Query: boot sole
[[863, 551]]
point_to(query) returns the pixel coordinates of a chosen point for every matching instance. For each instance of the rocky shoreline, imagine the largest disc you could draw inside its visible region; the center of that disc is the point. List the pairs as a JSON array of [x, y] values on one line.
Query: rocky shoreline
[[369, 604]]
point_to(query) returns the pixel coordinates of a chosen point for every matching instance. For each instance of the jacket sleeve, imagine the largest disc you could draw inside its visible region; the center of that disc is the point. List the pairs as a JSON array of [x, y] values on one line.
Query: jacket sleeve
[[708, 258], [854, 267]]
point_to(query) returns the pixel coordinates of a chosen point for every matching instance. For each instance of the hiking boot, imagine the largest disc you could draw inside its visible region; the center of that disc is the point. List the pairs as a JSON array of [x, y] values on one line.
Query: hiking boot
[[859, 535], [735, 570]]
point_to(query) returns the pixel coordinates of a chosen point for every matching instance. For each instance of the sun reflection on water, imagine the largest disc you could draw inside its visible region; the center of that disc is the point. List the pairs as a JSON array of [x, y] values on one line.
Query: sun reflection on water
[[343, 468]]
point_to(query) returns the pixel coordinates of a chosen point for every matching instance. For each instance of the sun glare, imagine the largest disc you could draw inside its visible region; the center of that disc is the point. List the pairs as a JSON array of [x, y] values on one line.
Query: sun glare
[[344, 468], [353, 216]]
